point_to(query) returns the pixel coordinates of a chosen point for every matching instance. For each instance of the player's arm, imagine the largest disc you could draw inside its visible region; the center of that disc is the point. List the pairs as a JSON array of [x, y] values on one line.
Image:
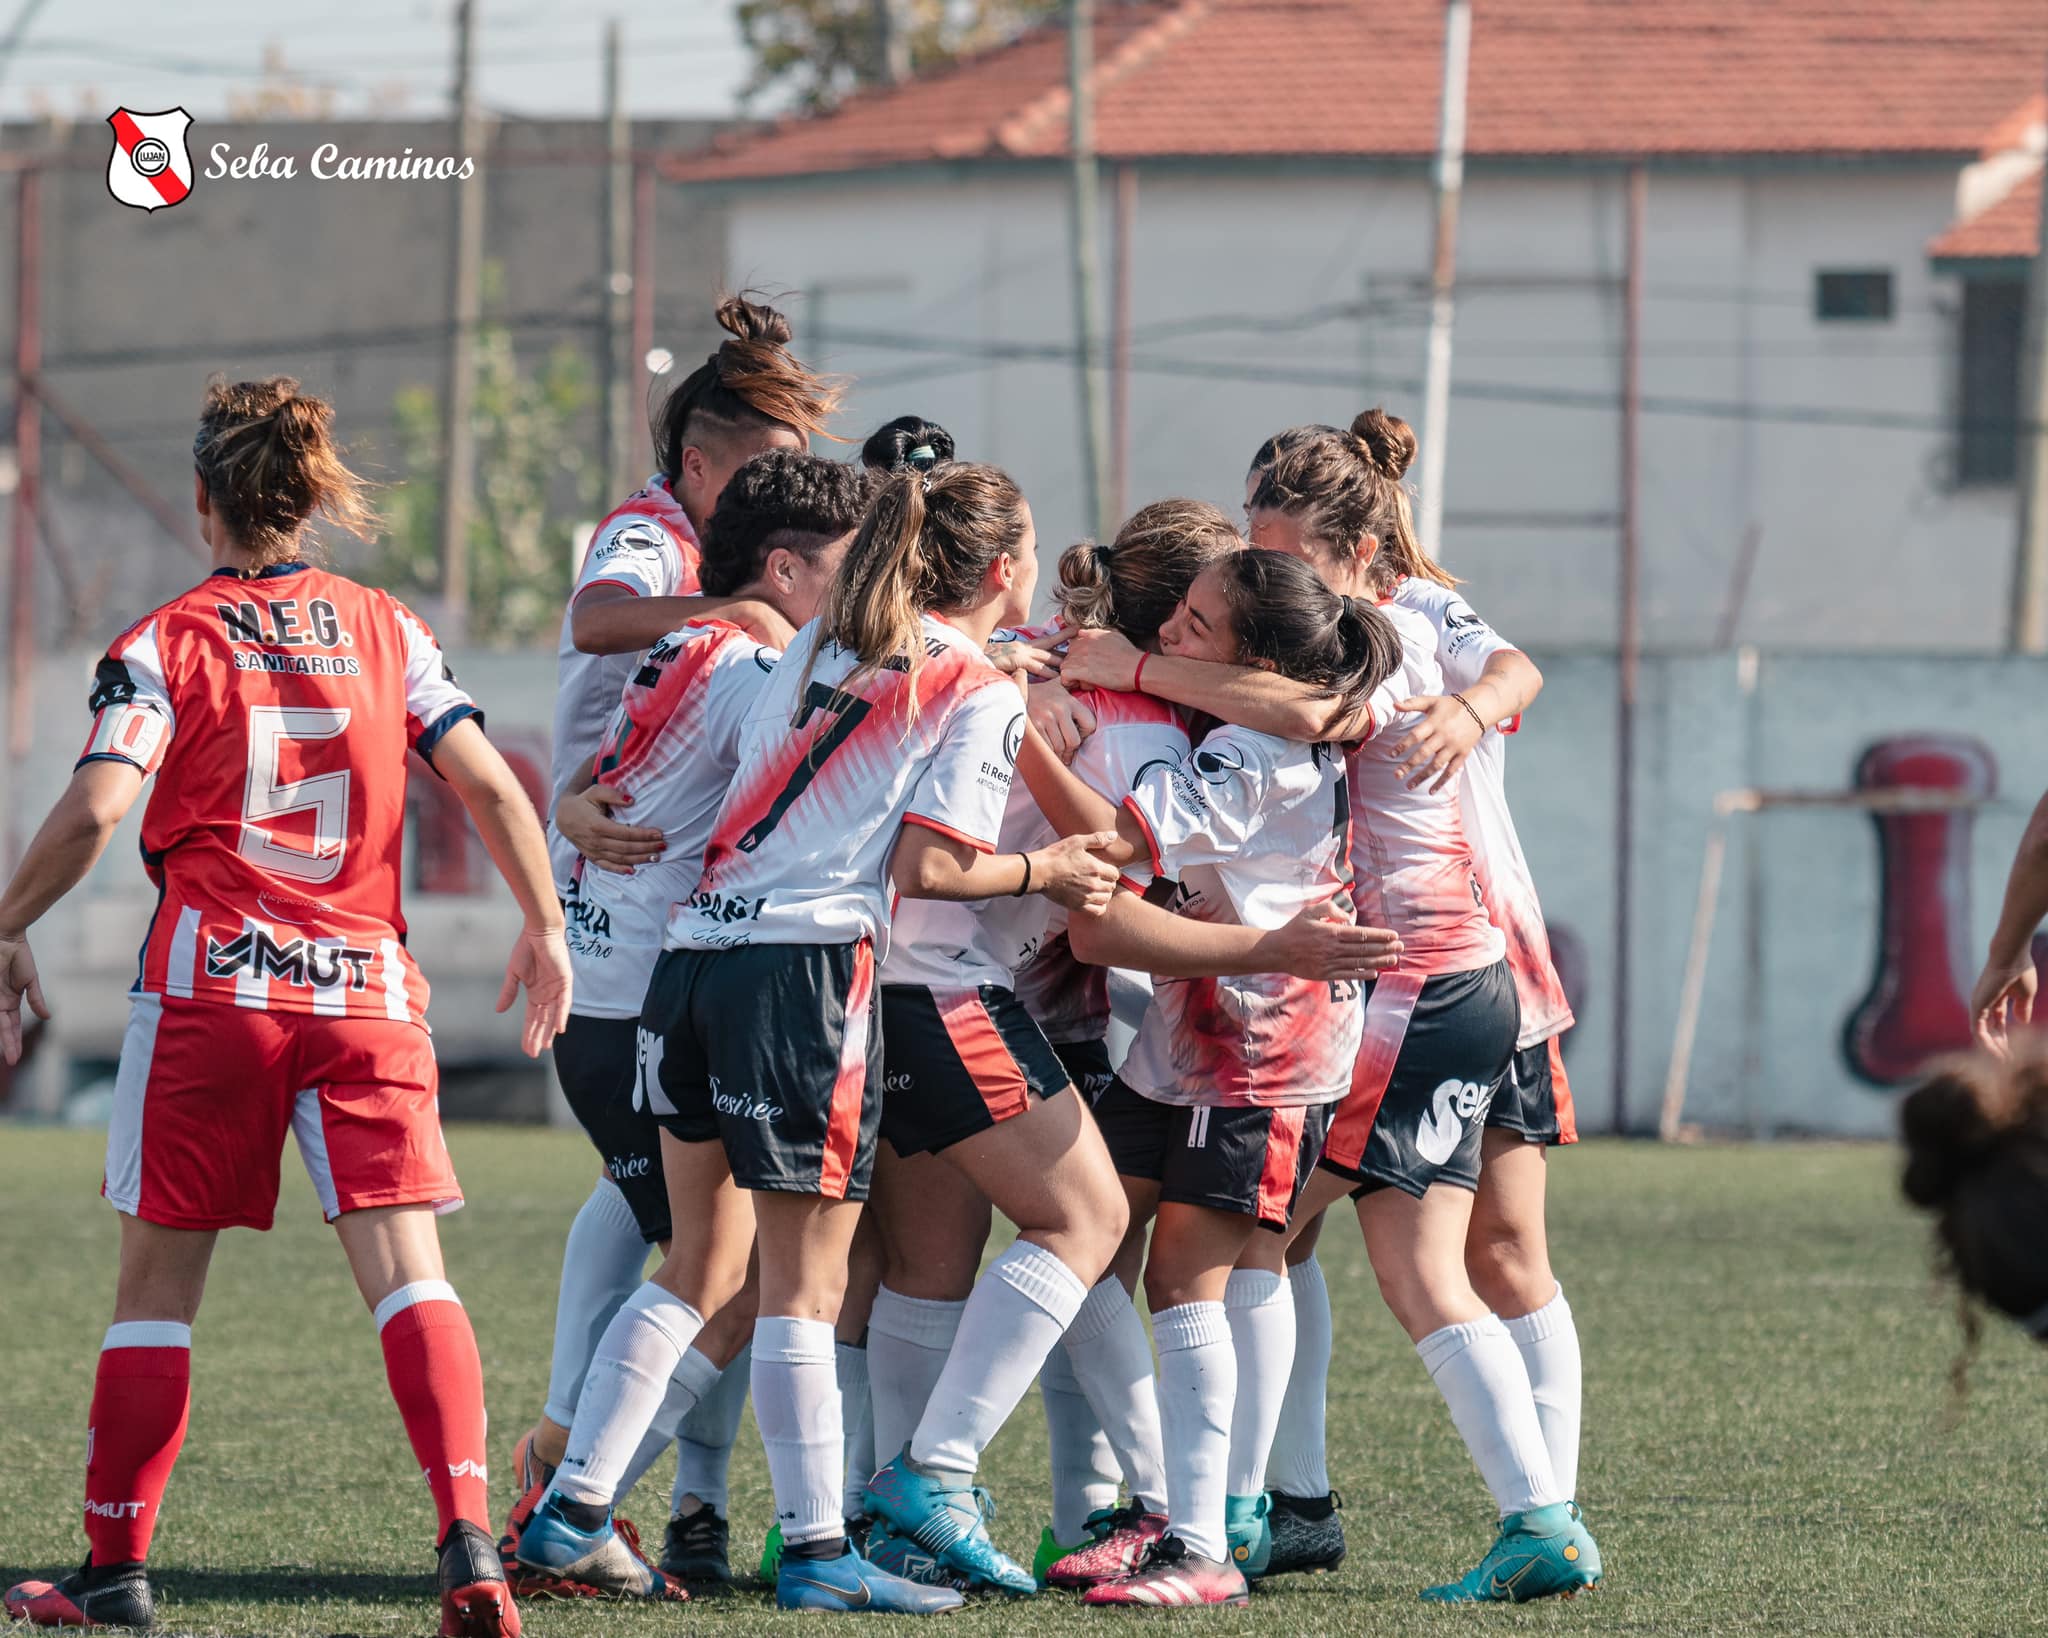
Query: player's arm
[[927, 864], [498, 807], [1320, 944], [1252, 698], [608, 618], [70, 840], [1076, 808], [1453, 724], [2004, 994]]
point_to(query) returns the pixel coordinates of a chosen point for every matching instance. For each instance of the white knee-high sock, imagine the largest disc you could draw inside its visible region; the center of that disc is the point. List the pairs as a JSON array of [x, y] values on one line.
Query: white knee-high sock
[[1260, 1307], [602, 1262], [908, 1341], [1549, 1345], [857, 1409], [705, 1440], [1112, 1361], [694, 1377], [1298, 1464], [1014, 1318], [796, 1401], [1478, 1370], [1085, 1473], [1197, 1383], [624, 1391]]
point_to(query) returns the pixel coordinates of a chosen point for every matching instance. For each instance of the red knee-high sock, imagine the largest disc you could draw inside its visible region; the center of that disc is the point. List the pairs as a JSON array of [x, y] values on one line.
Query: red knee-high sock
[[431, 1360], [140, 1399]]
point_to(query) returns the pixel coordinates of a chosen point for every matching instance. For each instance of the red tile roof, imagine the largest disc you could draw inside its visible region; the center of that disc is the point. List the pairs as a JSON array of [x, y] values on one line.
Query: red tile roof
[[1549, 78], [2008, 229]]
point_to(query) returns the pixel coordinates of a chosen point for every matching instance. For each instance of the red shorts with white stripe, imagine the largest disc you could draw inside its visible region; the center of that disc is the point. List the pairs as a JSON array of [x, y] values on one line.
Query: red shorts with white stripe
[[775, 1050], [206, 1093], [1251, 1161], [956, 1062], [1536, 1098]]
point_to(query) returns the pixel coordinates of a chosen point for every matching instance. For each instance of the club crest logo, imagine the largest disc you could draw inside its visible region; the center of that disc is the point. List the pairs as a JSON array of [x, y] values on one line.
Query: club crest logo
[[150, 166]]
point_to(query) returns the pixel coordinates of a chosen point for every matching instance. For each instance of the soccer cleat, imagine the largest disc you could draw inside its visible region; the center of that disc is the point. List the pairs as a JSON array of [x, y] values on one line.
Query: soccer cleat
[[771, 1554], [1174, 1576], [1308, 1537], [607, 1560], [1050, 1552], [850, 1583], [1123, 1538], [528, 1469], [1543, 1553], [949, 1521], [1249, 1533], [696, 1553], [117, 1596], [889, 1550], [475, 1600], [523, 1579]]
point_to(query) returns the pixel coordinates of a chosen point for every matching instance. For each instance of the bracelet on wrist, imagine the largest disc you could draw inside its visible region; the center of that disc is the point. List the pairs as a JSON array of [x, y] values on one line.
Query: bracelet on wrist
[[1471, 711], [1138, 676], [1026, 887]]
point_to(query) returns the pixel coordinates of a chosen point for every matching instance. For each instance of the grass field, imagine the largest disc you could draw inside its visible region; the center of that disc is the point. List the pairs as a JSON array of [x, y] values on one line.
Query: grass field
[[1768, 1447]]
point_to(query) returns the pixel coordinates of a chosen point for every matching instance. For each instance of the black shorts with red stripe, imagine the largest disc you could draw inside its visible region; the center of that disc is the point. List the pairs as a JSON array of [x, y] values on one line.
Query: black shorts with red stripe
[[1536, 1098], [1433, 1056], [1251, 1161], [597, 1062], [957, 1062], [774, 1050]]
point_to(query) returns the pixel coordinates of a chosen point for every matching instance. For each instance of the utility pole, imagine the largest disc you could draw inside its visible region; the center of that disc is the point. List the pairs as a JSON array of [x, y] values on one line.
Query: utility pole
[[1629, 647], [465, 302], [1443, 275], [2030, 577], [28, 457], [1087, 264], [617, 372]]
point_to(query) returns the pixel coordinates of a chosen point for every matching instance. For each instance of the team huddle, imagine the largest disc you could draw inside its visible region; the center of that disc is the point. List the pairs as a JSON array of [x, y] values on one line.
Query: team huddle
[[867, 908]]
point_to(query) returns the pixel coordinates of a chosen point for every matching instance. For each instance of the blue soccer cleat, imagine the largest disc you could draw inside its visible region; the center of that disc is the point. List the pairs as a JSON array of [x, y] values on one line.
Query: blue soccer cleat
[[601, 1559], [849, 1583], [1543, 1553], [896, 1553], [947, 1519]]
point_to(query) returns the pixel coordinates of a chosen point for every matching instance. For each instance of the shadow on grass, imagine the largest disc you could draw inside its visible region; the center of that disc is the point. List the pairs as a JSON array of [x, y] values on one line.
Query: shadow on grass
[[201, 1586]]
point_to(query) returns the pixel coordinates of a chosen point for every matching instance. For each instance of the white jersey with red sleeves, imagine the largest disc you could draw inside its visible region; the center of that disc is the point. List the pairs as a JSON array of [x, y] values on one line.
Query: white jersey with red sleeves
[[673, 745], [1069, 999], [276, 711], [644, 546], [828, 776], [1252, 831], [1465, 643], [1412, 865]]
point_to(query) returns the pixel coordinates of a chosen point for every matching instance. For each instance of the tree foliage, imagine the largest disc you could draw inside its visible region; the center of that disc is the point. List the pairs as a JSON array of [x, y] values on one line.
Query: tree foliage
[[815, 51]]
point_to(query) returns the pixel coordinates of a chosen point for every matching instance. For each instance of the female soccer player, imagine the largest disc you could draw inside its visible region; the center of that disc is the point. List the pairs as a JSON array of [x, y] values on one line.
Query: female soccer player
[[1429, 1028], [875, 756], [274, 703], [1218, 1112], [638, 582]]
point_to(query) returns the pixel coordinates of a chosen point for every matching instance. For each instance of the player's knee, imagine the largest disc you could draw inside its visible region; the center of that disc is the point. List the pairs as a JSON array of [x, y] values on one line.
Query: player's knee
[[1508, 1266]]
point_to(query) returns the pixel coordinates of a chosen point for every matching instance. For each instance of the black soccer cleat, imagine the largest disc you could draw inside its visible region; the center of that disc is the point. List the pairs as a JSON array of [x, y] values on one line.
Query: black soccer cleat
[[475, 1600], [696, 1551], [1308, 1537], [116, 1596]]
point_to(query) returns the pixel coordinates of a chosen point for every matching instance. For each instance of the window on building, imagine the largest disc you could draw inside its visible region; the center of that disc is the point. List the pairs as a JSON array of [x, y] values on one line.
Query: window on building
[[1860, 295], [1988, 433]]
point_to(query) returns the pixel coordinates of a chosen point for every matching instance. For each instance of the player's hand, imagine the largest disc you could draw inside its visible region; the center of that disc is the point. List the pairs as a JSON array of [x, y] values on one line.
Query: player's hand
[[1100, 659], [1070, 875], [1020, 654], [1323, 945], [1061, 720], [18, 983], [2003, 1001], [1439, 743], [539, 965], [760, 620], [586, 820]]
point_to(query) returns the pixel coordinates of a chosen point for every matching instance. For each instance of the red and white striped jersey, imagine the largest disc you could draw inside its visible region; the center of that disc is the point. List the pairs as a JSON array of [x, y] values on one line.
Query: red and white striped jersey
[[1252, 830], [1412, 865], [646, 546], [828, 776], [275, 712], [1465, 643], [672, 746], [1069, 999]]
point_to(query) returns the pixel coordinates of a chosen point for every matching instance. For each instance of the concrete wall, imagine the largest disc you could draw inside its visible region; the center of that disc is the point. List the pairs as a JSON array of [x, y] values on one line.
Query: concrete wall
[[1267, 297], [1817, 872]]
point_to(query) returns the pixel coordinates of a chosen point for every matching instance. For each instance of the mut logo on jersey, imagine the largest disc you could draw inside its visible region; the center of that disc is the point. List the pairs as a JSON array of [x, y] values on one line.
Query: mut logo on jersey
[[279, 624], [1452, 1106], [295, 961], [115, 1510]]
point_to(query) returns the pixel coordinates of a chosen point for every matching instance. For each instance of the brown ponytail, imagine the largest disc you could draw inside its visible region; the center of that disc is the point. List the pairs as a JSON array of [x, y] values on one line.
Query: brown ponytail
[[924, 548], [1134, 584], [268, 457], [1284, 615], [753, 380]]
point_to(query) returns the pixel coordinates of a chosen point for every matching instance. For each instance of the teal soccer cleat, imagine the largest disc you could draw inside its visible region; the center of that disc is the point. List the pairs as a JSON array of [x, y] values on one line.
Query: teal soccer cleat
[[1543, 1553], [1250, 1535], [850, 1584], [948, 1520]]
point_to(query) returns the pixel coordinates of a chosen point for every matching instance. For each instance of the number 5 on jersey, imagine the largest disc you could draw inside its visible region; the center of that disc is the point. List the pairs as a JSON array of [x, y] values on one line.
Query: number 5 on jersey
[[269, 799]]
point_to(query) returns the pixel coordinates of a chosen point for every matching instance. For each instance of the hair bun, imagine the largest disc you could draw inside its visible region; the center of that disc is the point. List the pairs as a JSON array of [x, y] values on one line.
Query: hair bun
[[1949, 1134], [749, 320], [1388, 441]]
